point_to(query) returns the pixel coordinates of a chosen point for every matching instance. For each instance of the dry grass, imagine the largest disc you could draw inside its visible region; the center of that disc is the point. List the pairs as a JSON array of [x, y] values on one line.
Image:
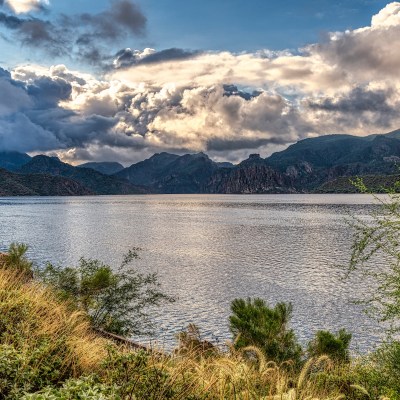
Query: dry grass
[[31, 318], [32, 315]]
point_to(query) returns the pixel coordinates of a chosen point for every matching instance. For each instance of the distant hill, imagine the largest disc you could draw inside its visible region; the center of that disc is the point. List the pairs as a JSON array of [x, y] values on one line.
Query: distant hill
[[12, 184], [12, 160], [94, 181], [344, 184], [330, 151], [106, 168], [322, 164], [170, 173], [147, 172]]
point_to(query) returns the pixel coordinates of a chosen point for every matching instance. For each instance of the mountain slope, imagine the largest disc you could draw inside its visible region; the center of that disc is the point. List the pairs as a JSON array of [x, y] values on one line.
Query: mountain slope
[[95, 181], [170, 173], [147, 172], [12, 184], [12, 160], [106, 168]]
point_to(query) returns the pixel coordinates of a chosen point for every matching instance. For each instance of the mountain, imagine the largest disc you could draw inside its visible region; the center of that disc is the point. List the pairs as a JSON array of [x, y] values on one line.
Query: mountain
[[170, 173], [106, 168], [94, 181], [322, 164], [12, 184], [251, 176], [339, 150], [374, 183], [147, 172], [12, 160]]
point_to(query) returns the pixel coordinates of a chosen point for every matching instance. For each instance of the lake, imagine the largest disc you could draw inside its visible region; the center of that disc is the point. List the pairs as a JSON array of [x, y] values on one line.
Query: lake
[[209, 250]]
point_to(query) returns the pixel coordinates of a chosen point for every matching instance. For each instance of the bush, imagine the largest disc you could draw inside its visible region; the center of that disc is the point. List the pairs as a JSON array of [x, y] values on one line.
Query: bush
[[86, 388], [42, 342], [334, 346], [116, 302], [253, 323], [16, 259]]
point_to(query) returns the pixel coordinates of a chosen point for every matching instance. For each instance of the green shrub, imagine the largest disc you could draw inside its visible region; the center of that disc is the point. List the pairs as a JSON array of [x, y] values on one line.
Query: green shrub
[[86, 388], [253, 323], [336, 346], [16, 259], [116, 302]]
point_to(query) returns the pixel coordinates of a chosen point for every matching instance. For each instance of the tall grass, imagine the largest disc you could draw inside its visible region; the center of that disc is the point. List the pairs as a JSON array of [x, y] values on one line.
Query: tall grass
[[49, 341], [47, 347]]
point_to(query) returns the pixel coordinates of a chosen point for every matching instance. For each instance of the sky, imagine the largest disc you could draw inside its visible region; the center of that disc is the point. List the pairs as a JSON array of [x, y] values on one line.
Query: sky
[[120, 80]]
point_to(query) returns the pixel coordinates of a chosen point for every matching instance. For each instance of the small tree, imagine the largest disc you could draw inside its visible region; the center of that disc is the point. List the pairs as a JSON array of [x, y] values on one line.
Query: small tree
[[116, 302], [253, 323], [336, 346], [16, 259], [378, 238]]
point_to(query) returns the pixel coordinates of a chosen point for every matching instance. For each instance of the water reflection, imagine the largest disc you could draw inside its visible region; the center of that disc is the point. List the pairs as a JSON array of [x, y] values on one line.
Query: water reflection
[[209, 250]]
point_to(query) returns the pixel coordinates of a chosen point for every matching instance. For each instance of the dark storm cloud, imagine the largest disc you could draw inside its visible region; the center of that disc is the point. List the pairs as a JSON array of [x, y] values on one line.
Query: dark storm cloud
[[36, 32], [83, 35], [47, 92], [357, 101], [128, 57], [32, 120], [223, 145], [10, 21]]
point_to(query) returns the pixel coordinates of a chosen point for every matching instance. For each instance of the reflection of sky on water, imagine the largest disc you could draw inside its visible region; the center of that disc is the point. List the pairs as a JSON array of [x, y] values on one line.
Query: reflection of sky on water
[[209, 250]]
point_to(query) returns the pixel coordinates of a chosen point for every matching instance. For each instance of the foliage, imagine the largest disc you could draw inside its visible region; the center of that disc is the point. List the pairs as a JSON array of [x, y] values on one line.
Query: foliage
[[42, 341], [336, 346], [378, 238], [253, 323], [116, 302], [48, 351], [86, 388], [380, 371], [16, 259], [191, 342]]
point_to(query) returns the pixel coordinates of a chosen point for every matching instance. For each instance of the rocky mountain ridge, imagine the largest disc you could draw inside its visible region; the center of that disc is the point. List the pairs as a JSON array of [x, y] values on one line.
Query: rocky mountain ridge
[[303, 167]]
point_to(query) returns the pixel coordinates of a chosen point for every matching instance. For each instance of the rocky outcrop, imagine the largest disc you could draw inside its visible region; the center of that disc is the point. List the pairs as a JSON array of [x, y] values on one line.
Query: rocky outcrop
[[94, 181], [12, 184]]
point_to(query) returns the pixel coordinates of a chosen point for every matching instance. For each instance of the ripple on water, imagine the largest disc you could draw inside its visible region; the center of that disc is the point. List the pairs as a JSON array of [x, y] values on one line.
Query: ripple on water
[[209, 250]]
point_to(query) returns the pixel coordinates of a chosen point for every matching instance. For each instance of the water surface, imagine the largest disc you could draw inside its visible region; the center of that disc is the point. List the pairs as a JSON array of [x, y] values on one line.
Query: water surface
[[211, 249]]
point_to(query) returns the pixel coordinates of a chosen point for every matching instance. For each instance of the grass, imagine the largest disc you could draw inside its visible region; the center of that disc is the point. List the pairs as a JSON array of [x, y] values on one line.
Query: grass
[[48, 351]]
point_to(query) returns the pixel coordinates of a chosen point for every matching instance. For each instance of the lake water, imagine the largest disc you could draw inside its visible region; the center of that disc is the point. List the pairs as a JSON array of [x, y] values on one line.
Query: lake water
[[211, 249]]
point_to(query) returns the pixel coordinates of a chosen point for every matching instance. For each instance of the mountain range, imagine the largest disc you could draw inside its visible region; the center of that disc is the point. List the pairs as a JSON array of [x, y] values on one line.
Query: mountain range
[[321, 164]]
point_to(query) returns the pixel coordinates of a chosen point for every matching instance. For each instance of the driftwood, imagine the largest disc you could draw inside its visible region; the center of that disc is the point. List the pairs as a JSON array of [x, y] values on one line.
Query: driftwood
[[123, 340]]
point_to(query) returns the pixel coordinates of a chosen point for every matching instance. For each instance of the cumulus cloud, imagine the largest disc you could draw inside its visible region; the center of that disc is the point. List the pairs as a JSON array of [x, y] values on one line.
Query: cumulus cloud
[[25, 6], [180, 100]]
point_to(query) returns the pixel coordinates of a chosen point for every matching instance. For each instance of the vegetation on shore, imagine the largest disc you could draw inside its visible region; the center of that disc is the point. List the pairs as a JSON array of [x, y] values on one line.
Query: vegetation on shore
[[50, 347]]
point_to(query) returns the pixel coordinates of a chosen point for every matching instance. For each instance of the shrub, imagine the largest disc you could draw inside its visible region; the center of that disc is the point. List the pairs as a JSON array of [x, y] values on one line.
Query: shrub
[[86, 388], [116, 302], [42, 342], [253, 323], [16, 259], [336, 346]]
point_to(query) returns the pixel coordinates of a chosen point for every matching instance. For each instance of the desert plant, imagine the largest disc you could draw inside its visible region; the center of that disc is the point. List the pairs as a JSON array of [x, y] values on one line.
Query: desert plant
[[253, 323], [116, 302]]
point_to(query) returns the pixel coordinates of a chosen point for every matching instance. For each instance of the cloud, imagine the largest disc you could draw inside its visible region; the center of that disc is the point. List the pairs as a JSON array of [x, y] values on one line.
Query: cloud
[[25, 6], [83, 36], [37, 33], [180, 100], [128, 57]]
